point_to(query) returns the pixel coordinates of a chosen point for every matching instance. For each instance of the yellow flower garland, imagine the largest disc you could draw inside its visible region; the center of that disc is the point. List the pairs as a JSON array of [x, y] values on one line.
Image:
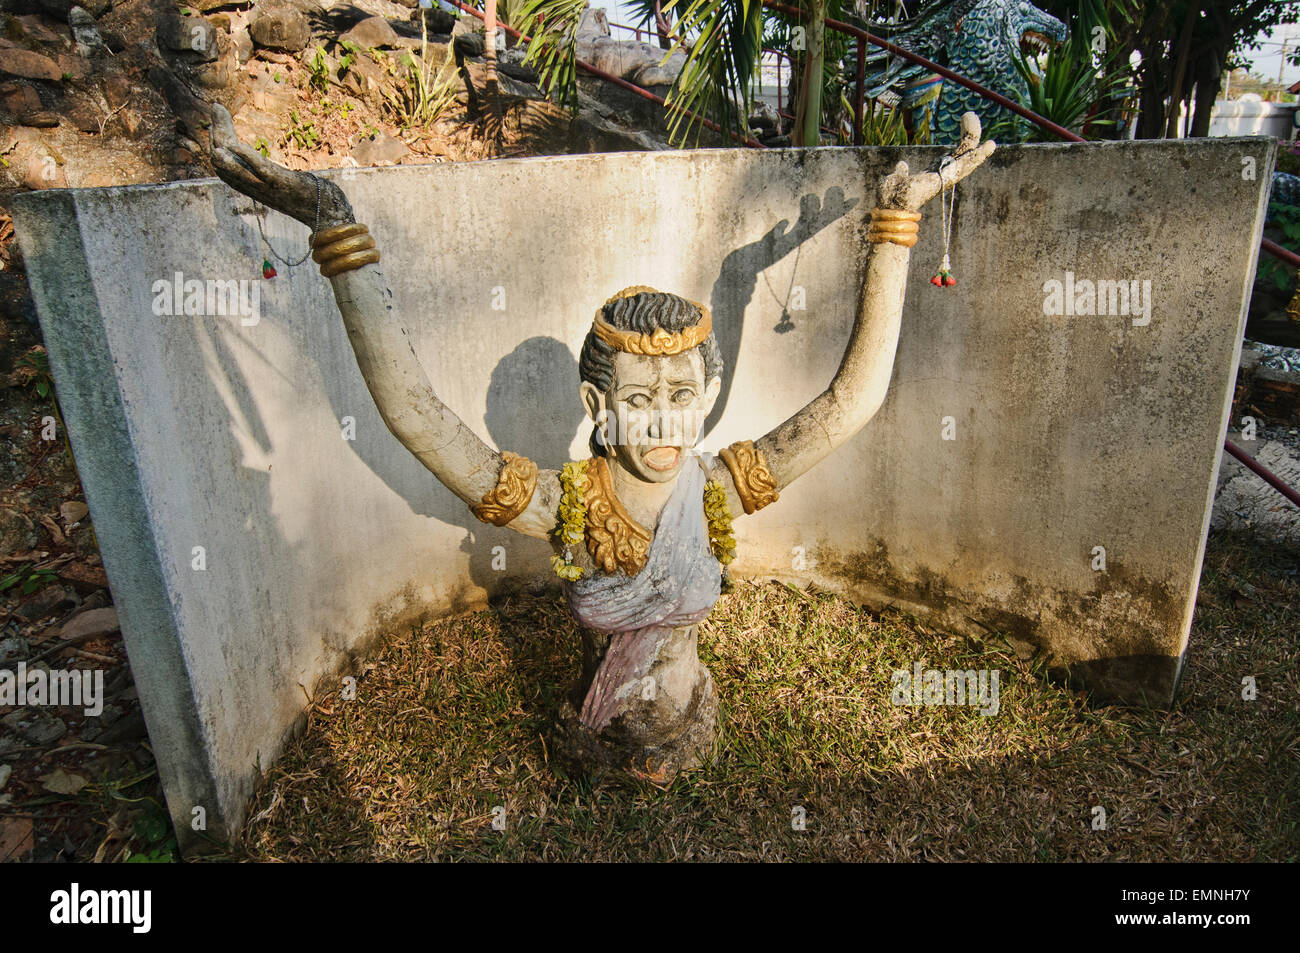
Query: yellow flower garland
[[573, 518], [721, 540]]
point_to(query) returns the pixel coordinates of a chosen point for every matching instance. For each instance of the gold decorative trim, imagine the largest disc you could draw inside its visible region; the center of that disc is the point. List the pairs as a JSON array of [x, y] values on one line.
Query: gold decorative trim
[[894, 225], [754, 482], [334, 233], [614, 539], [343, 248], [514, 489], [658, 343], [336, 266]]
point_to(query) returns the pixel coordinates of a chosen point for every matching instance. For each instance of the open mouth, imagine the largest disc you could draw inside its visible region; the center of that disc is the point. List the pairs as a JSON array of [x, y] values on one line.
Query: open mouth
[[1033, 43], [661, 458]]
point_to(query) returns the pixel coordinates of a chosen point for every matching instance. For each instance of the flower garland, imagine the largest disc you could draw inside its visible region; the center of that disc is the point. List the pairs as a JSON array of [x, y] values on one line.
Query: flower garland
[[721, 539], [573, 518]]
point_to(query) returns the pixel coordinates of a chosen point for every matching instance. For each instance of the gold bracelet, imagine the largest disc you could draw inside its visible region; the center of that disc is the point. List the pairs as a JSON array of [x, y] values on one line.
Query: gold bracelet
[[754, 482], [343, 248], [893, 225], [510, 497]]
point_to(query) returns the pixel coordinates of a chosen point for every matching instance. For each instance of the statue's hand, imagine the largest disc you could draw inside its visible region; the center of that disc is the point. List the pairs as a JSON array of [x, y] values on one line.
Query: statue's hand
[[294, 193], [901, 190]]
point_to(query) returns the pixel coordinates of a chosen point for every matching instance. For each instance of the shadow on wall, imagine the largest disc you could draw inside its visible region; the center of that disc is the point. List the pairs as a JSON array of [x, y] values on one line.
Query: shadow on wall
[[739, 273], [531, 397]]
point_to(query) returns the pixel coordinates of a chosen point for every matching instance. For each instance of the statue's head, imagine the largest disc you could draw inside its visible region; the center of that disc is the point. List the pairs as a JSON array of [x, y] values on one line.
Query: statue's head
[[651, 372]]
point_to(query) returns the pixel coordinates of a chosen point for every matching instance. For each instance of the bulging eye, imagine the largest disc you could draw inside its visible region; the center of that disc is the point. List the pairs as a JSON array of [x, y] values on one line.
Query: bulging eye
[[637, 401], [684, 396]]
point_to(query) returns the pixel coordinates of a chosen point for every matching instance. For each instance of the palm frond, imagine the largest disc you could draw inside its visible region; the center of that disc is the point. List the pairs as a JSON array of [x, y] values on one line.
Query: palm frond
[[553, 26], [723, 40]]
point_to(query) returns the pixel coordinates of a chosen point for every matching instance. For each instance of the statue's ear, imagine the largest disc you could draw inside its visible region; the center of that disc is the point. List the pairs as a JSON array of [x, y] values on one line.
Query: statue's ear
[[591, 398], [711, 391]]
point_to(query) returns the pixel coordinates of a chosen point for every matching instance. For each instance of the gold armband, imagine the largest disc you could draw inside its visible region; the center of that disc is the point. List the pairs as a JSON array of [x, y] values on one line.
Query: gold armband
[[754, 482], [510, 497], [893, 225], [343, 248]]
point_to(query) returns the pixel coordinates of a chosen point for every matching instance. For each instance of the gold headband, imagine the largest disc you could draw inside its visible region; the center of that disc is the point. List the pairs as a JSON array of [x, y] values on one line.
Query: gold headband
[[657, 343]]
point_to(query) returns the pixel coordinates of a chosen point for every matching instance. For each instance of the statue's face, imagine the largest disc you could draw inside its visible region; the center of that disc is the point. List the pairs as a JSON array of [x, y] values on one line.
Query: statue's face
[[653, 413]]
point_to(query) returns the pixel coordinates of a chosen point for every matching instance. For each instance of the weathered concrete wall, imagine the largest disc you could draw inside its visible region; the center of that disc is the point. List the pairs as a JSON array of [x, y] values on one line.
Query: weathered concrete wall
[[1068, 432]]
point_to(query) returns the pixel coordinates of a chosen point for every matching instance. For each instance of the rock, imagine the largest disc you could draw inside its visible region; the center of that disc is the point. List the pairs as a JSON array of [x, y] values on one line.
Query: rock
[[17, 531], [188, 35], [19, 99], [435, 20], [44, 171], [5, 771], [84, 116], [635, 62], [60, 9], [42, 728], [47, 600], [365, 77], [84, 32], [383, 149], [75, 67], [90, 624], [13, 649], [372, 33], [281, 28], [40, 120], [63, 782], [73, 511], [30, 65], [117, 91], [132, 123], [36, 30], [243, 44]]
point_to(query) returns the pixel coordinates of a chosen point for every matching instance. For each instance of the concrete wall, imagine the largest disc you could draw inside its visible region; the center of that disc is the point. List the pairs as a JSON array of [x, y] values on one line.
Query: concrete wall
[[1237, 117], [1068, 432]]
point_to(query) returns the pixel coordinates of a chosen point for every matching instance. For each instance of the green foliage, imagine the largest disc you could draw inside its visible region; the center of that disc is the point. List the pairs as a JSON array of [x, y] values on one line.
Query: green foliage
[[37, 363], [152, 829], [424, 94], [27, 578], [303, 135], [1285, 218], [883, 126], [350, 53], [1073, 89], [319, 68], [726, 43], [553, 26]]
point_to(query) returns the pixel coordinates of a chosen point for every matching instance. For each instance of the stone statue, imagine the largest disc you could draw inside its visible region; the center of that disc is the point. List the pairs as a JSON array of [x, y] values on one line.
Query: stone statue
[[639, 529]]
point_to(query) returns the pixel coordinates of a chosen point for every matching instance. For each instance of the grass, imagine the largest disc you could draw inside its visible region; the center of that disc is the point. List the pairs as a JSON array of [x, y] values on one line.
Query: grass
[[450, 722]]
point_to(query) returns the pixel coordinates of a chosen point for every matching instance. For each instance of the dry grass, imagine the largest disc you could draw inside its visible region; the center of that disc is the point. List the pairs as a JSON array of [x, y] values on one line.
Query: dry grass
[[451, 722]]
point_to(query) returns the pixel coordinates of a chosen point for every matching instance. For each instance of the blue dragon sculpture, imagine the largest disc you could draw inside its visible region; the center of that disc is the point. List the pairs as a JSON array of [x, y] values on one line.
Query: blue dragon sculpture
[[975, 38]]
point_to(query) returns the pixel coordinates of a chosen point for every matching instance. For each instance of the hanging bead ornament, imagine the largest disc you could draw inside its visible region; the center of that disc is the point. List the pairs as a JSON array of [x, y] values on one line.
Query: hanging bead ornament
[[268, 270], [944, 278]]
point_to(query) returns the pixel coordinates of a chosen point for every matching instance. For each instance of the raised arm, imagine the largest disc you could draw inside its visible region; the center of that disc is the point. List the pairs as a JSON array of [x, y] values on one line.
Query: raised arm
[[494, 485], [859, 386]]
